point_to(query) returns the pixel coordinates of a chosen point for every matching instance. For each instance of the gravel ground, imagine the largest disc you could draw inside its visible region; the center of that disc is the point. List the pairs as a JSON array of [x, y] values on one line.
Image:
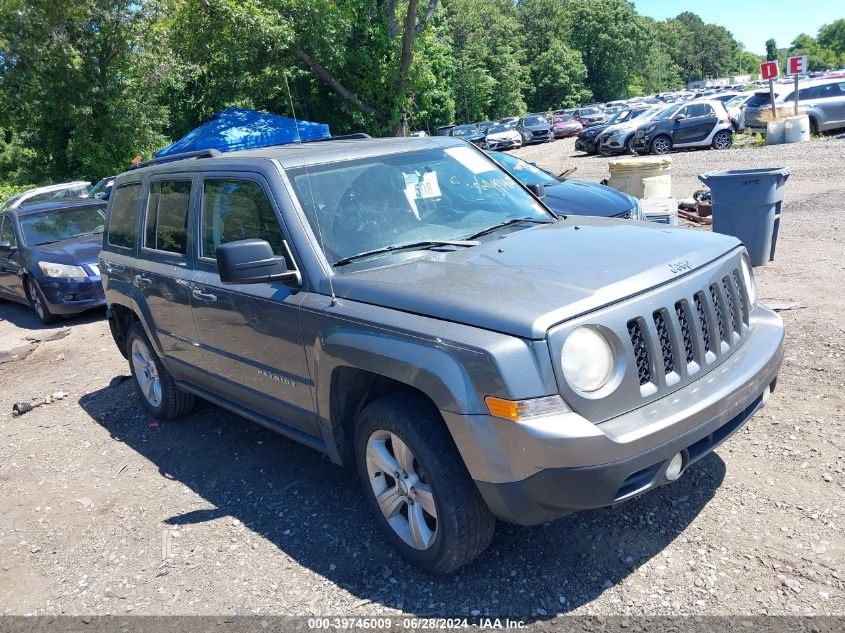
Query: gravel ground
[[106, 511]]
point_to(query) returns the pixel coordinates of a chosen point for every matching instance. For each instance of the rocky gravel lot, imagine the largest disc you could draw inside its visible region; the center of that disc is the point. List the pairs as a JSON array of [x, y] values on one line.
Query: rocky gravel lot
[[104, 510]]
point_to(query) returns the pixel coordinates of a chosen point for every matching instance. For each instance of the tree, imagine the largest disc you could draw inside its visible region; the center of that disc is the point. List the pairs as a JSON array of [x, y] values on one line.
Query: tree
[[557, 79], [771, 50], [832, 37], [612, 40]]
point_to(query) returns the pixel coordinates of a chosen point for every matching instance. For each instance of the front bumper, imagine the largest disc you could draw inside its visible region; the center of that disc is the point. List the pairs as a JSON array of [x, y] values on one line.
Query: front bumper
[[539, 138], [641, 143], [534, 471], [72, 297], [500, 145]]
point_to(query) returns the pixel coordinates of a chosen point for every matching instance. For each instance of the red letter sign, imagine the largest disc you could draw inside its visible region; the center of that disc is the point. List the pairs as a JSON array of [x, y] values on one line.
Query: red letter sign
[[769, 70], [796, 65]]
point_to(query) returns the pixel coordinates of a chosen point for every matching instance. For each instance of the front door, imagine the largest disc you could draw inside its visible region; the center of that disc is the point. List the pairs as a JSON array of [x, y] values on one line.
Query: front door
[[250, 333], [164, 273], [10, 280], [699, 121]]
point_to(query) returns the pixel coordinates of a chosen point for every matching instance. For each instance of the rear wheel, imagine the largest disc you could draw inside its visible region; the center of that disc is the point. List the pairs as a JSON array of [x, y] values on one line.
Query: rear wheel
[[661, 145], [723, 140], [154, 383], [39, 303], [417, 486], [814, 126]]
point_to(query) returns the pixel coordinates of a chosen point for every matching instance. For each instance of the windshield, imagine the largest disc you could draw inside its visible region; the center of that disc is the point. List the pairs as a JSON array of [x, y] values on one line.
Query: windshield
[[446, 193], [589, 111], [760, 99], [619, 117], [61, 224], [524, 172], [463, 130], [668, 112], [8, 202], [563, 118], [71, 191], [101, 190], [494, 129], [535, 120]]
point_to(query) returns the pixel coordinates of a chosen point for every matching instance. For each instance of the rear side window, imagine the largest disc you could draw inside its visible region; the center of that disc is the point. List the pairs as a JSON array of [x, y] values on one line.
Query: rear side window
[[237, 210], [167, 216], [7, 232], [124, 216], [759, 100]]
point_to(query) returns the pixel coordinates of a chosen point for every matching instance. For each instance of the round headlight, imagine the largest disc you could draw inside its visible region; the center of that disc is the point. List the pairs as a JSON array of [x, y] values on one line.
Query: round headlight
[[748, 280], [586, 359]]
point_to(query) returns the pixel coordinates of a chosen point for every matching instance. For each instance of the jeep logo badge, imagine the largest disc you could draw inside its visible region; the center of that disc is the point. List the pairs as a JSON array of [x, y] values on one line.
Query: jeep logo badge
[[679, 267]]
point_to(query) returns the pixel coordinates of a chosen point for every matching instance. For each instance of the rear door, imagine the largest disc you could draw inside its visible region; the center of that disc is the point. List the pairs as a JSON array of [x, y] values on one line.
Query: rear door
[[826, 103], [251, 334], [164, 272]]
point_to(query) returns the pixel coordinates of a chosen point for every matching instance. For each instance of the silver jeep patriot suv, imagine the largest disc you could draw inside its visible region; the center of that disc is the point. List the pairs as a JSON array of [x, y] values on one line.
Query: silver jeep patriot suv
[[409, 309]]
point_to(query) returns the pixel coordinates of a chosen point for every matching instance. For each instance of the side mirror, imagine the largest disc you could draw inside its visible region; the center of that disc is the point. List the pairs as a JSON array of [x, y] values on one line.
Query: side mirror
[[680, 117], [538, 190], [6, 246], [252, 262]]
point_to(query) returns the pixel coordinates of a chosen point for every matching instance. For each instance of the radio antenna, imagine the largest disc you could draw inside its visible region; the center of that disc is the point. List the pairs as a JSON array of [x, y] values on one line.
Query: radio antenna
[[310, 189]]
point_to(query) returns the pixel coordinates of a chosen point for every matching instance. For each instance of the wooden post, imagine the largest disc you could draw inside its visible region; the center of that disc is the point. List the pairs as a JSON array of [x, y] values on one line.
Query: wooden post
[[772, 97], [796, 94]]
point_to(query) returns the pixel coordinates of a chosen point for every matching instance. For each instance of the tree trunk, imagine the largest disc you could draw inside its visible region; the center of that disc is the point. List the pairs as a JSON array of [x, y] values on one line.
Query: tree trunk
[[405, 65]]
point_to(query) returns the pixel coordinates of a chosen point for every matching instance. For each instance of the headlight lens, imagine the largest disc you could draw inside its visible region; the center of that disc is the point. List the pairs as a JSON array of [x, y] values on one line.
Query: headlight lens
[[587, 359], [748, 280], [64, 271], [650, 128]]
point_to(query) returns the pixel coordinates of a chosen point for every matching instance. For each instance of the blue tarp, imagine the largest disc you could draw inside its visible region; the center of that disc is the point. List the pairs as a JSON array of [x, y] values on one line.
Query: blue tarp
[[235, 129]]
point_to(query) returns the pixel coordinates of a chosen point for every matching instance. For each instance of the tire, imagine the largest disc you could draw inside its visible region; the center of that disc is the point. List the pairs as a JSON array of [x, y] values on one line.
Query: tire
[[723, 140], [164, 400], [814, 126], [661, 145], [39, 303], [629, 146], [461, 527]]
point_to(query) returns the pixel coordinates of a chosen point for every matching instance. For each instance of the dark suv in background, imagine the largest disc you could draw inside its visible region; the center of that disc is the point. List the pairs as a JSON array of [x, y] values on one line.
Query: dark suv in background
[[408, 308]]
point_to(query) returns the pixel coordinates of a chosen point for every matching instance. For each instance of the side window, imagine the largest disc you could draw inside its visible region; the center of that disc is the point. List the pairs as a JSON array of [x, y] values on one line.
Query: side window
[[166, 226], [124, 216], [708, 110], [237, 210], [7, 231]]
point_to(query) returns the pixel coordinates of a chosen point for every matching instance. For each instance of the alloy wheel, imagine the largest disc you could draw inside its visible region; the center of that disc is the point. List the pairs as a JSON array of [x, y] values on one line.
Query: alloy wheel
[[35, 298], [660, 145], [722, 141], [146, 373], [401, 489]]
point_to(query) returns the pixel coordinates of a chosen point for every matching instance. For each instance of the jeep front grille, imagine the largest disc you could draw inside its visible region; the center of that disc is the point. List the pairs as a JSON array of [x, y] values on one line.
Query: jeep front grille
[[681, 339]]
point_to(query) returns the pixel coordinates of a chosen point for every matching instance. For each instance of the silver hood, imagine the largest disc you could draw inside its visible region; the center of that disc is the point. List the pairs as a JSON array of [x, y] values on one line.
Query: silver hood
[[535, 278]]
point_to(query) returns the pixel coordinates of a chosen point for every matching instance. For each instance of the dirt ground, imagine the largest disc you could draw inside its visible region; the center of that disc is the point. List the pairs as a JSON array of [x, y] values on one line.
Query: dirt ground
[[104, 510]]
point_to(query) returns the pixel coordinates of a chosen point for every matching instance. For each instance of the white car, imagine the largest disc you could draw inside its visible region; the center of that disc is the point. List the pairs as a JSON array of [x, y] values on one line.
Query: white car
[[502, 136], [77, 189], [736, 108]]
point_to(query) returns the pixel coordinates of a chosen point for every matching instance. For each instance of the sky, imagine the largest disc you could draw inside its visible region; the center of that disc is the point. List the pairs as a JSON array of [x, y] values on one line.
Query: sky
[[752, 22]]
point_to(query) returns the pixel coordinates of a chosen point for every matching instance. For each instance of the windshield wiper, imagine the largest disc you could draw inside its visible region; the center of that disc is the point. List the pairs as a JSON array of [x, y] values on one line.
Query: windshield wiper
[[500, 225], [400, 247]]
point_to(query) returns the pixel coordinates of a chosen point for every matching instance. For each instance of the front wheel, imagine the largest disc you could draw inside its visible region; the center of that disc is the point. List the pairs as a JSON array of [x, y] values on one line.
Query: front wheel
[[661, 145], [417, 486], [723, 140], [39, 303], [629, 146]]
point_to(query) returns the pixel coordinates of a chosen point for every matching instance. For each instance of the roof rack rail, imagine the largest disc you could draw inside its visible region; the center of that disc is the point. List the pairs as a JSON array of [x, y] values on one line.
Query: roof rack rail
[[342, 137], [202, 153]]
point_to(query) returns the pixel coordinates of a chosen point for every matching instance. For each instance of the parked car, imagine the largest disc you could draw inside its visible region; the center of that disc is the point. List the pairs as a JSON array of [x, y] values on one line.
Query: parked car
[[823, 100], [566, 196], [483, 125], [102, 189], [501, 136], [471, 354], [510, 121], [470, 133], [736, 109], [703, 123], [535, 128], [443, 130], [58, 191], [590, 116], [564, 125], [619, 137], [48, 256], [588, 138]]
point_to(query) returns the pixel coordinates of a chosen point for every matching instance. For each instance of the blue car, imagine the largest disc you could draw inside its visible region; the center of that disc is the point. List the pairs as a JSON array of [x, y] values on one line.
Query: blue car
[[572, 197], [48, 256]]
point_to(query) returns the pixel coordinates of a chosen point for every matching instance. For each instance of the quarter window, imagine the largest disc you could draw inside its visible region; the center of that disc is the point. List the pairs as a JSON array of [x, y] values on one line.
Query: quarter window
[[124, 216], [235, 210], [167, 216]]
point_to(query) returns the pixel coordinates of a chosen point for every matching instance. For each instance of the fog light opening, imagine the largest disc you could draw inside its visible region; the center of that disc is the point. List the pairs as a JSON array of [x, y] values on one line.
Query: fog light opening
[[675, 467]]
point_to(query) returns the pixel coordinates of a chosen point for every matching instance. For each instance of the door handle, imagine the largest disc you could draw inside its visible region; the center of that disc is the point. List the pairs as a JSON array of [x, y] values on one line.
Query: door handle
[[113, 268], [143, 281], [204, 296]]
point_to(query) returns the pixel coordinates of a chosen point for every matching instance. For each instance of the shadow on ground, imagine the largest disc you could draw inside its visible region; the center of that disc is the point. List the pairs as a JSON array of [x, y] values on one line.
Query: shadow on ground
[[25, 318], [252, 474]]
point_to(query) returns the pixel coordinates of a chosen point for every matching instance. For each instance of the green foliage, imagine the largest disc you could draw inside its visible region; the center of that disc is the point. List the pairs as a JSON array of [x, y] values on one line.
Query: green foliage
[[832, 37], [771, 50], [8, 190], [557, 79], [822, 52]]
